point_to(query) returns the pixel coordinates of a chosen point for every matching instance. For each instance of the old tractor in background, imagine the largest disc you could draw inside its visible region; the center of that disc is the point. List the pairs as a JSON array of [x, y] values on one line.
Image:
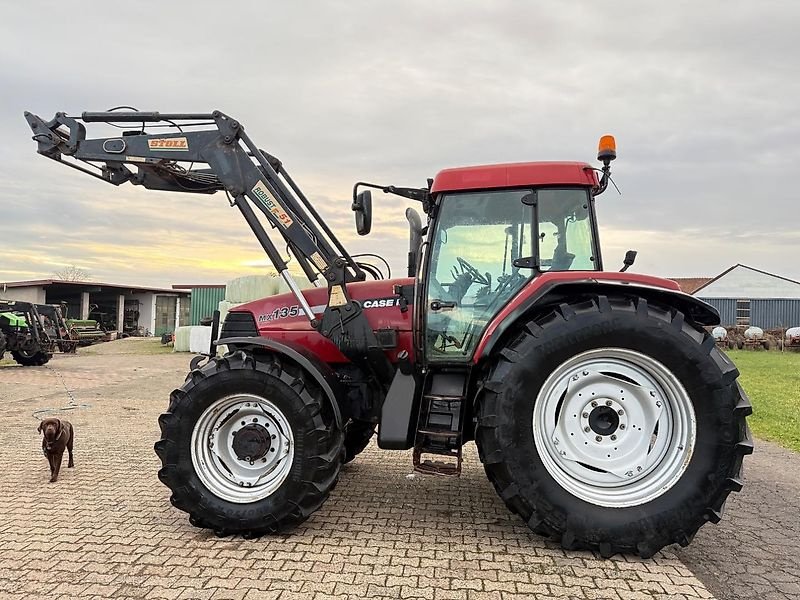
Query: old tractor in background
[[603, 413], [23, 334]]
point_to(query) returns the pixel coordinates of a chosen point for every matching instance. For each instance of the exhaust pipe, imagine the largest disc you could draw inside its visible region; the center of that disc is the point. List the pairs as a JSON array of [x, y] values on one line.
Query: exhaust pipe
[[414, 241]]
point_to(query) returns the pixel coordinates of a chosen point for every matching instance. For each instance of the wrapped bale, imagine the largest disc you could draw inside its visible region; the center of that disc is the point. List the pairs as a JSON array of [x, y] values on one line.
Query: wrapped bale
[[182, 339], [199, 339], [253, 287]]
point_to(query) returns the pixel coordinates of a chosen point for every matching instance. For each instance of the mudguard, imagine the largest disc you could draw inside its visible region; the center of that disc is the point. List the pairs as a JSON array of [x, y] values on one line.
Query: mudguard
[[557, 291], [320, 371]]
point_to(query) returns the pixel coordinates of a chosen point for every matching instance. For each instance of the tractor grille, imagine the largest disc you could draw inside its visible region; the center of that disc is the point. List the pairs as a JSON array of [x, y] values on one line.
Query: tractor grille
[[239, 324]]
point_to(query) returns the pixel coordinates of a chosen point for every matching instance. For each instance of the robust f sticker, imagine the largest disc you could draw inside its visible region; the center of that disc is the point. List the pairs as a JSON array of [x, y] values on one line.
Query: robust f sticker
[[261, 192], [174, 143]]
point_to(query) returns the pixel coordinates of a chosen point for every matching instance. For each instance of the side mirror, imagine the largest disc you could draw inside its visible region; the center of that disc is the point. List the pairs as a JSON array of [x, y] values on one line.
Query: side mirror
[[630, 257], [362, 206]]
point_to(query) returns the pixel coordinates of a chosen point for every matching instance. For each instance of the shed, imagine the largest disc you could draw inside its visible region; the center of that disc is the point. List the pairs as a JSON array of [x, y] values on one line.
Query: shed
[[204, 300], [137, 310], [745, 295]]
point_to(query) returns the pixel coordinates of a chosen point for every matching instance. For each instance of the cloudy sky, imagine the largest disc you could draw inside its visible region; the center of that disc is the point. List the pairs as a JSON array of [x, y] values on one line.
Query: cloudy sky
[[702, 97]]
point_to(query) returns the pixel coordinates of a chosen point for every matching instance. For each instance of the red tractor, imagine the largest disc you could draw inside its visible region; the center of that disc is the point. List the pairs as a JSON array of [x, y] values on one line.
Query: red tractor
[[603, 413]]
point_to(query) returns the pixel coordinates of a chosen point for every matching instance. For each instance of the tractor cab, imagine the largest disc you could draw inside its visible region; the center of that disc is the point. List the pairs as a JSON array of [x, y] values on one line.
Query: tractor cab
[[485, 245]]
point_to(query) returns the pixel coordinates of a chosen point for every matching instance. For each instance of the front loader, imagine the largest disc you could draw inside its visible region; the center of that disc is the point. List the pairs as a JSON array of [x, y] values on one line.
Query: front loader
[[604, 415], [23, 333]]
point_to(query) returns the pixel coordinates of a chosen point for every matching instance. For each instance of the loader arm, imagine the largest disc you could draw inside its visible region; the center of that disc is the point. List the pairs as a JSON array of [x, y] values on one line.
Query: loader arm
[[222, 157]]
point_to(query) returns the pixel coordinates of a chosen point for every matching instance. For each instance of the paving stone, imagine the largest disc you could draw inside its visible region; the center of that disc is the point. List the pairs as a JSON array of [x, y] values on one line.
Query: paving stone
[[106, 529]]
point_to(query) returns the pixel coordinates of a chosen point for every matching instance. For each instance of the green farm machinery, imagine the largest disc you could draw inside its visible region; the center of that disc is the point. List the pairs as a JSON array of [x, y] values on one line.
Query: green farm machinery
[[22, 333]]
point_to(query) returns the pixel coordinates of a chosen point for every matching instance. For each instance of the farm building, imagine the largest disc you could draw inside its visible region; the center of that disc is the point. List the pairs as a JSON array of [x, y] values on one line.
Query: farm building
[[204, 300], [747, 296], [130, 309]]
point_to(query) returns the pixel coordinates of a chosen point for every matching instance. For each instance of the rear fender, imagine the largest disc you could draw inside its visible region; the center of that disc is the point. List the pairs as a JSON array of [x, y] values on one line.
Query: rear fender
[[311, 364], [555, 293]]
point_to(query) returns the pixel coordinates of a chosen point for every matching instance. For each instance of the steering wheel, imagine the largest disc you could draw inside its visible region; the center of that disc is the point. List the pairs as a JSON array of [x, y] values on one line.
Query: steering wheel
[[476, 275]]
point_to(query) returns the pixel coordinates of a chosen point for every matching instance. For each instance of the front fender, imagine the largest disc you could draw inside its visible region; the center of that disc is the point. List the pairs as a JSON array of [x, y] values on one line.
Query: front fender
[[557, 292], [319, 370]]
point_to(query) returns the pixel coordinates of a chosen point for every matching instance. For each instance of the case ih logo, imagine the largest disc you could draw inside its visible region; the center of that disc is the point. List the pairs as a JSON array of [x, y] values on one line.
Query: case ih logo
[[381, 303], [176, 143]]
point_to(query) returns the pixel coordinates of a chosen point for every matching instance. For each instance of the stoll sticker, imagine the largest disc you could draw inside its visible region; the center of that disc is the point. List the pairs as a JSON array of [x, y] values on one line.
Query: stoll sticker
[[174, 143], [261, 192]]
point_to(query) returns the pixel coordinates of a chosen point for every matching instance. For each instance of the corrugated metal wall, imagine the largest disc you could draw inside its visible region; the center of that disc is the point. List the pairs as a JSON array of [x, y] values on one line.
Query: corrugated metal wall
[[205, 301], [775, 313], [726, 308], [767, 314]]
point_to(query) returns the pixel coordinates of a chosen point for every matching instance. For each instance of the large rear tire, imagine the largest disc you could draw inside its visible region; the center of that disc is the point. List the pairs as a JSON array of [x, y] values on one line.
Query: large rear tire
[[249, 445], [614, 425]]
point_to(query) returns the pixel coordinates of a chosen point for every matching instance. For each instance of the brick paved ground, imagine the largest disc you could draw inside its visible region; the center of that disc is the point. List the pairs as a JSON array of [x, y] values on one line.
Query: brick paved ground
[[754, 553], [106, 528]]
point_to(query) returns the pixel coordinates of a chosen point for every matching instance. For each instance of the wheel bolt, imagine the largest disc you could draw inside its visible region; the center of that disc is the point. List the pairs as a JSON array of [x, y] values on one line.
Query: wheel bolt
[[598, 438], [620, 412], [594, 403], [586, 429], [613, 437], [622, 426], [242, 423], [263, 460], [585, 415], [255, 419], [608, 402]]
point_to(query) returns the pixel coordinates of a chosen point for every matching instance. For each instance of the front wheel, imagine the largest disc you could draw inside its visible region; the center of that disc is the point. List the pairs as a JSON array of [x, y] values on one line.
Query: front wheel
[[32, 356], [249, 445], [614, 425]]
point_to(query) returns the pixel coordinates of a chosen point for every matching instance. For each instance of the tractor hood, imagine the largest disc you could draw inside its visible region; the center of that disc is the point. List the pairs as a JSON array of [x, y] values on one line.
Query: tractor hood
[[381, 306]]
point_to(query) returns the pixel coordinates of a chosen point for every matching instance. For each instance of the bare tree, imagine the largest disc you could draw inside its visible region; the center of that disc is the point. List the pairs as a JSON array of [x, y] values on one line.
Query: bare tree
[[71, 273]]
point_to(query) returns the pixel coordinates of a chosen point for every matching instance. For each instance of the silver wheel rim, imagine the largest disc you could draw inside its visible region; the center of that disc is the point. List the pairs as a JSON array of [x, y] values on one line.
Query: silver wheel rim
[[242, 479], [614, 427]]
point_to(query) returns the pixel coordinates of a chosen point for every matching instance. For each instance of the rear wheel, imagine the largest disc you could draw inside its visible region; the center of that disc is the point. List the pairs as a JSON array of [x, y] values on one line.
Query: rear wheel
[[249, 446], [614, 425]]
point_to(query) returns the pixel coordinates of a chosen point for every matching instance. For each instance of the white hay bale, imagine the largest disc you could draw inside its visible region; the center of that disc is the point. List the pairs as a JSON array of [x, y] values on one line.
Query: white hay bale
[[199, 339], [251, 287], [182, 339]]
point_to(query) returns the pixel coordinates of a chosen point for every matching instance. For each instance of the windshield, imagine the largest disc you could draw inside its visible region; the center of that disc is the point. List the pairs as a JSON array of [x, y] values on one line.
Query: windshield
[[477, 239]]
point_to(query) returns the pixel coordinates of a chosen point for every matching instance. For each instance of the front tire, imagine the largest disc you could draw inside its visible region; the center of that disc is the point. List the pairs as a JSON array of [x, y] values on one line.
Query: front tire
[[614, 425], [31, 358], [249, 445]]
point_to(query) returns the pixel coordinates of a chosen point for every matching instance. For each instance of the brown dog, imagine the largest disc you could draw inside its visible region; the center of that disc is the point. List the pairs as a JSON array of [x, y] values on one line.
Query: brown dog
[[57, 435]]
